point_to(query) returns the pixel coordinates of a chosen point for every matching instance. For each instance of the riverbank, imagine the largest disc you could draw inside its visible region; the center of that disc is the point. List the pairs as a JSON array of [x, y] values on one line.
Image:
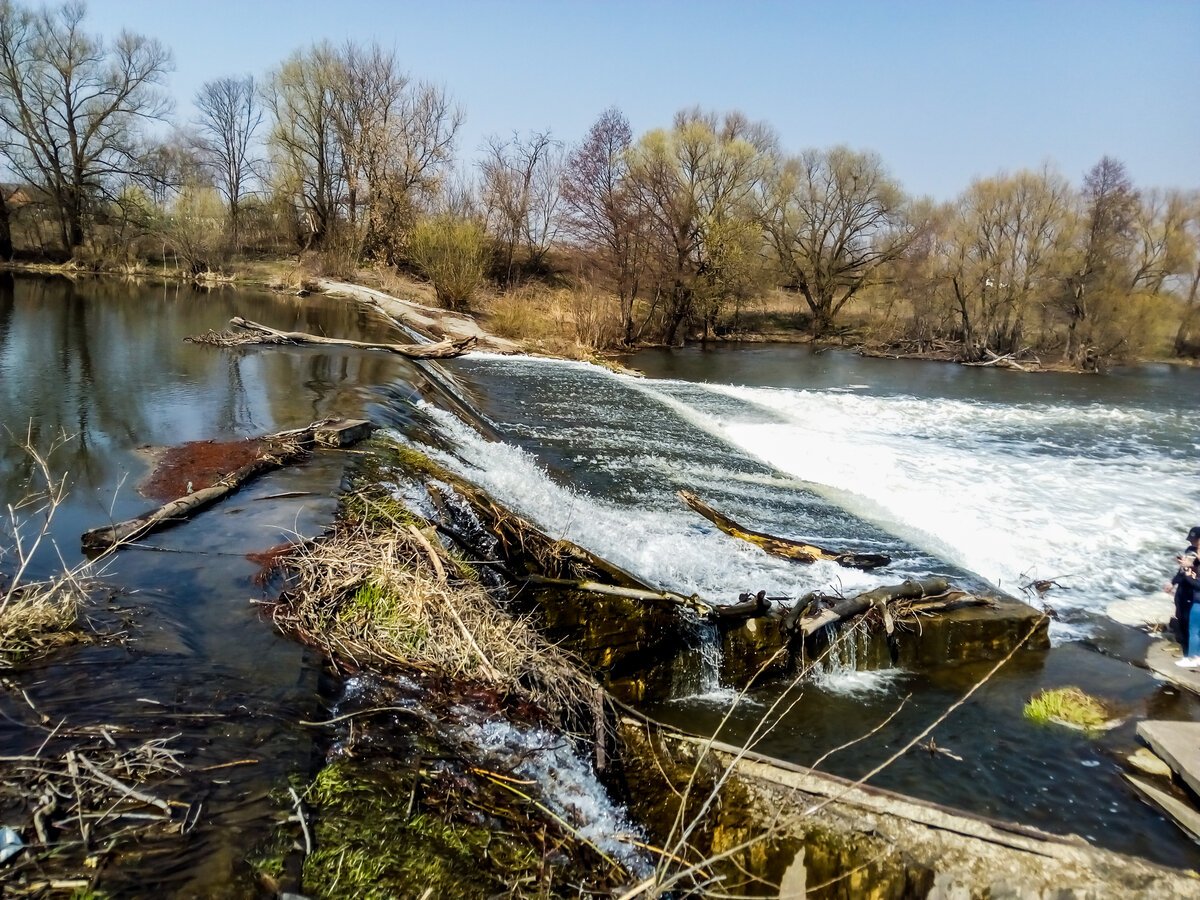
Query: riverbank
[[549, 320]]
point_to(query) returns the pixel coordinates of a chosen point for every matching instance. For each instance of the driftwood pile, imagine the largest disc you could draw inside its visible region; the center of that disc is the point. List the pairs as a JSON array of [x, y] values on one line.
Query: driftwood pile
[[246, 332], [87, 801]]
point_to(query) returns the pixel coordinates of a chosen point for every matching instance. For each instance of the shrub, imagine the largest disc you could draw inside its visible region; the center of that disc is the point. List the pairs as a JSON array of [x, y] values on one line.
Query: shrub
[[453, 254]]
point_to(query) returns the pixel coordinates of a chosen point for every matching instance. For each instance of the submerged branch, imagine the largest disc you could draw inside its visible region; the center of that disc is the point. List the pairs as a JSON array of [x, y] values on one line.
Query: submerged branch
[[281, 449], [797, 551]]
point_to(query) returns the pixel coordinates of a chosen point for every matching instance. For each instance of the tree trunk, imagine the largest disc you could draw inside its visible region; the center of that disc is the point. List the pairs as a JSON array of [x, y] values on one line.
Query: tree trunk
[[6, 247], [783, 547], [441, 350], [287, 447]]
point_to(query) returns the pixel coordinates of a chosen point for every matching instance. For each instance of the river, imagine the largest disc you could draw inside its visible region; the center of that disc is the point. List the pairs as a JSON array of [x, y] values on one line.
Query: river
[[992, 477]]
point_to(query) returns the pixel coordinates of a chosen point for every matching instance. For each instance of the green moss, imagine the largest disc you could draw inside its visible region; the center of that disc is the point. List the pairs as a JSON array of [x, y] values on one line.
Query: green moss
[[1068, 706], [370, 844]]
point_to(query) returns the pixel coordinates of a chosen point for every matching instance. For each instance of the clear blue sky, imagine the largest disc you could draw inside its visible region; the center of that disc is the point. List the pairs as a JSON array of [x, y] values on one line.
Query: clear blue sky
[[943, 91]]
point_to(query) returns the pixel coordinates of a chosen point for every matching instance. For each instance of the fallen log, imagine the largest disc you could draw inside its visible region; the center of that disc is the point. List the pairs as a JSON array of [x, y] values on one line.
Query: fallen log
[[821, 615], [629, 593], [749, 606], [249, 332], [283, 448], [783, 547]]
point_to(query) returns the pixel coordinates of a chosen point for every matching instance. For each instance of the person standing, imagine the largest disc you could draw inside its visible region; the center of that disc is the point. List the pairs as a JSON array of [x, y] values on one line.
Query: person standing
[[1187, 591]]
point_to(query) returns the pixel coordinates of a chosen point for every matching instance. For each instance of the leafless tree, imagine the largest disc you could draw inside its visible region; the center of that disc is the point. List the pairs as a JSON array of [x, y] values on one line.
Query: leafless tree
[[600, 208], [71, 107], [397, 137], [1109, 207], [521, 178], [1002, 252], [356, 140], [303, 141], [695, 184], [834, 218], [230, 114]]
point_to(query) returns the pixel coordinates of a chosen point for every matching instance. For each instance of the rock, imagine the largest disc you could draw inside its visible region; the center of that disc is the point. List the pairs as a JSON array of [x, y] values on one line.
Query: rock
[[1145, 760]]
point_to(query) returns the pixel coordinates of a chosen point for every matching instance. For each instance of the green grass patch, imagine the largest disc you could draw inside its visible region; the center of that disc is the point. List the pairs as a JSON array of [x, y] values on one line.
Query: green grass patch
[[374, 840], [1068, 706]]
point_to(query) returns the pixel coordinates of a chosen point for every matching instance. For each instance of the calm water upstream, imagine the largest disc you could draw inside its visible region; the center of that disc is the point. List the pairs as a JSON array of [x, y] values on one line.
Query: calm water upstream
[[989, 476]]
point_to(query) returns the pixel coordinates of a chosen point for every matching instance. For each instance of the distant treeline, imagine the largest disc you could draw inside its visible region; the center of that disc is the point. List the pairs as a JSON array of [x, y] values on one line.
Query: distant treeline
[[340, 153]]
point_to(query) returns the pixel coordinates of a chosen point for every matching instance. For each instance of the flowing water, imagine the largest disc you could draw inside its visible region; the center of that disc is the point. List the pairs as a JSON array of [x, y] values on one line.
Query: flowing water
[[990, 477]]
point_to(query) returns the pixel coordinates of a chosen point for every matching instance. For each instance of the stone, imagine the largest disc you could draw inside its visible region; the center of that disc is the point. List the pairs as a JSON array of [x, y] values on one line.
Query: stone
[[1146, 761]]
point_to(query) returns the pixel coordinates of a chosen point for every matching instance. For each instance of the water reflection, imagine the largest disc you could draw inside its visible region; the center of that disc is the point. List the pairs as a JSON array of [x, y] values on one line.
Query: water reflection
[[105, 363]]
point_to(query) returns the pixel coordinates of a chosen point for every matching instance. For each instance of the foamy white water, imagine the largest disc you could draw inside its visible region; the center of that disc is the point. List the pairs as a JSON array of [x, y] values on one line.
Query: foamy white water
[[1095, 497], [669, 547], [995, 489], [567, 784]]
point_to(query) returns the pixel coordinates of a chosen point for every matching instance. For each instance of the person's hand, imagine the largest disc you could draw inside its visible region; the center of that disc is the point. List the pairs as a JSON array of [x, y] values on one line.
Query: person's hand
[[1168, 588]]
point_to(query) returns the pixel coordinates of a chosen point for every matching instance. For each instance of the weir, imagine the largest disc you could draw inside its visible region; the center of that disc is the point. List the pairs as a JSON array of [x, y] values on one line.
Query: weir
[[603, 478]]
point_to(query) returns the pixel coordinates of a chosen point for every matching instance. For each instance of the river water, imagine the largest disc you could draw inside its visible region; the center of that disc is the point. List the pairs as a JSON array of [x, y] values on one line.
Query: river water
[[186, 653], [991, 477], [994, 478]]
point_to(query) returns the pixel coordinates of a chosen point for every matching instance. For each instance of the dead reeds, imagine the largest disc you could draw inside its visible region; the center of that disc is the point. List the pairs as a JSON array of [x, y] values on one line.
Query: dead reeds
[[36, 614], [382, 590]]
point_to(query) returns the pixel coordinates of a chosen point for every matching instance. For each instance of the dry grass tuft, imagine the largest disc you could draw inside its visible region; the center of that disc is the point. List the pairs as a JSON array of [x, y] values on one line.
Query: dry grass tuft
[[386, 592], [38, 617]]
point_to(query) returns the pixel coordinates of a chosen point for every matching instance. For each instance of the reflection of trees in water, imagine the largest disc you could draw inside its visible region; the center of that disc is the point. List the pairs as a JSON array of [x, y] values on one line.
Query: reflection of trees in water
[[105, 360], [7, 305]]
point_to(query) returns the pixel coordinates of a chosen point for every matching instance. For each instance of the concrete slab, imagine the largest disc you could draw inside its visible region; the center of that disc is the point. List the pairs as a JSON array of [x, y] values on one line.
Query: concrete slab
[[1160, 659], [1178, 745], [343, 432], [1180, 813]]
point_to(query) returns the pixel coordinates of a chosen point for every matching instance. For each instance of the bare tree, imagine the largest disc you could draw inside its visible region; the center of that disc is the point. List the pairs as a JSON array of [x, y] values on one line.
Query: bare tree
[[521, 180], [834, 218], [397, 137], [304, 141], [230, 114], [357, 141], [601, 211], [1108, 211], [1162, 243], [1001, 252], [695, 184], [71, 106]]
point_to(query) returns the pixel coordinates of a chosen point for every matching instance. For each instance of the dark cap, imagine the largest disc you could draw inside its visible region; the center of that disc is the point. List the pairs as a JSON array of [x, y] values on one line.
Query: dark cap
[[1194, 533]]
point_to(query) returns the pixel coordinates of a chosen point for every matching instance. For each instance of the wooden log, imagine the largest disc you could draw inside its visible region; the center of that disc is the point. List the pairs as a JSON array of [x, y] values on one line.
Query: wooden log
[[845, 607], [628, 593], [783, 547], [749, 606], [440, 350], [285, 448]]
